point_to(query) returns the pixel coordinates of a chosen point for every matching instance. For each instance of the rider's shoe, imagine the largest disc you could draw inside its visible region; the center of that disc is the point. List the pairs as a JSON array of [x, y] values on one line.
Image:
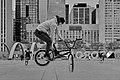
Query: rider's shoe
[[47, 57]]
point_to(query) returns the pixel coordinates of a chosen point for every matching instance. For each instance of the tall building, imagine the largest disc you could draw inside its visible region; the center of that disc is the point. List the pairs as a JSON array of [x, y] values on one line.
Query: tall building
[[55, 7], [87, 17], [17, 22], [81, 14], [67, 13], [6, 30], [29, 15], [30, 8], [109, 20], [27, 12]]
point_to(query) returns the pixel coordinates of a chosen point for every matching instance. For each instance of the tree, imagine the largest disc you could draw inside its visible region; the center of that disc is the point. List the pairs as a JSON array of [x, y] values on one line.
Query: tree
[[112, 45]]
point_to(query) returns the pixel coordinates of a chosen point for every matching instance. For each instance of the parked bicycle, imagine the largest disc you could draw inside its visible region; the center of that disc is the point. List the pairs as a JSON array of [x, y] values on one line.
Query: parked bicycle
[[42, 61]]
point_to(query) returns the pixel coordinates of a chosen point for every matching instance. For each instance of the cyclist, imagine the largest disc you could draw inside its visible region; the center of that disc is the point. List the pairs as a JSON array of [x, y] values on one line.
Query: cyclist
[[28, 53], [47, 30]]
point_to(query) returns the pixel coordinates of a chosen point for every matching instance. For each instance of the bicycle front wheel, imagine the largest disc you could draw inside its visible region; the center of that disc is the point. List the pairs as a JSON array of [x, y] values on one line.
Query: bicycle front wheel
[[40, 59], [71, 62]]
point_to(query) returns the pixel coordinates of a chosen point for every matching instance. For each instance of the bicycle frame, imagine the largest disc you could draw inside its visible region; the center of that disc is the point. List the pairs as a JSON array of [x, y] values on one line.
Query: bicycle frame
[[42, 61], [68, 48]]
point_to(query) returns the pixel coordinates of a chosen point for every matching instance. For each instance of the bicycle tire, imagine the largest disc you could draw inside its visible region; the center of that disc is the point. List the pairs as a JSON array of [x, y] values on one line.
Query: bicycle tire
[[71, 62], [38, 54]]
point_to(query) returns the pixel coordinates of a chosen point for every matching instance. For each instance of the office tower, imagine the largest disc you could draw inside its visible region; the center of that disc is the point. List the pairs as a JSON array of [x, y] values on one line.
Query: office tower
[[29, 15], [109, 17], [67, 13], [30, 8], [81, 14], [6, 34], [27, 12], [55, 7], [17, 22]]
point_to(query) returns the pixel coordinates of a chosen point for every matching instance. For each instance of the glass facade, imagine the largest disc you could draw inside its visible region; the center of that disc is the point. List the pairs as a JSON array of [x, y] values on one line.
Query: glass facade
[[81, 14], [27, 11], [112, 21], [30, 8]]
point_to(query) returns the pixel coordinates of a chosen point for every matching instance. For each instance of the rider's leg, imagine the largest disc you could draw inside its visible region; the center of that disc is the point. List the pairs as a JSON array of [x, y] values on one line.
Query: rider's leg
[[45, 37], [49, 42]]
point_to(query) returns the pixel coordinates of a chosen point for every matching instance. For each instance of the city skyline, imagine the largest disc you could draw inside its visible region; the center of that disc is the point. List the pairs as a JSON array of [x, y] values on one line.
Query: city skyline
[[107, 29], [113, 30], [71, 2]]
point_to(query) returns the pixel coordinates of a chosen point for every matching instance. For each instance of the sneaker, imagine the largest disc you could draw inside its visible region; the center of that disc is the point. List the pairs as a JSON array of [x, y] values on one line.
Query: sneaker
[[47, 57]]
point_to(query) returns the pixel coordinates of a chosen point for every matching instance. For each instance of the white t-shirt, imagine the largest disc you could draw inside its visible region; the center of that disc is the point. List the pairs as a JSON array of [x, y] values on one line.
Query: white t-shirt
[[48, 27]]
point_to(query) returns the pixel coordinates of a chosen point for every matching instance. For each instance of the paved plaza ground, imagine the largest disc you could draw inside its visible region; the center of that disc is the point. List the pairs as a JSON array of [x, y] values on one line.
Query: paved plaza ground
[[58, 70]]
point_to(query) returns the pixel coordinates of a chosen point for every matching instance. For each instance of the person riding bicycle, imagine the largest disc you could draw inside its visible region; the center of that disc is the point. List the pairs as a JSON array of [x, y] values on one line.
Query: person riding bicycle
[[47, 30], [27, 54]]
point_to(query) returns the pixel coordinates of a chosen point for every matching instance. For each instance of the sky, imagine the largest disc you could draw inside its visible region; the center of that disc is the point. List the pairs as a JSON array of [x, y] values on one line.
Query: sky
[[89, 2]]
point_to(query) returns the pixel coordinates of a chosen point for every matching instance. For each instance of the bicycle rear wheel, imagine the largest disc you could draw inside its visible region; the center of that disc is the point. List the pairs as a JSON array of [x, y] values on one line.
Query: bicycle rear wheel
[[71, 62], [40, 59]]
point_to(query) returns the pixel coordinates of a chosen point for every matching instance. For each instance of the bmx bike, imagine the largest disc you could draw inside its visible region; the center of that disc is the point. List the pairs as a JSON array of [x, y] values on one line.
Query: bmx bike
[[41, 60]]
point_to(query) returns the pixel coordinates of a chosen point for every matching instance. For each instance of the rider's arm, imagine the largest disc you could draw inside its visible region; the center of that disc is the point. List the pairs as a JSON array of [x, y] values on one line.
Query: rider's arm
[[52, 32], [58, 33]]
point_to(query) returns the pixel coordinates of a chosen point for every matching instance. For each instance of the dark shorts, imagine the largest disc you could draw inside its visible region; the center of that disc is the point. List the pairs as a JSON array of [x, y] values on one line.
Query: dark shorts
[[38, 33], [43, 36]]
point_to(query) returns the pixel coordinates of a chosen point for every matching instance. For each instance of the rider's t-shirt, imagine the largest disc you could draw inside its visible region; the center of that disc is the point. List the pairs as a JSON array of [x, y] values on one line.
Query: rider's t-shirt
[[48, 27]]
